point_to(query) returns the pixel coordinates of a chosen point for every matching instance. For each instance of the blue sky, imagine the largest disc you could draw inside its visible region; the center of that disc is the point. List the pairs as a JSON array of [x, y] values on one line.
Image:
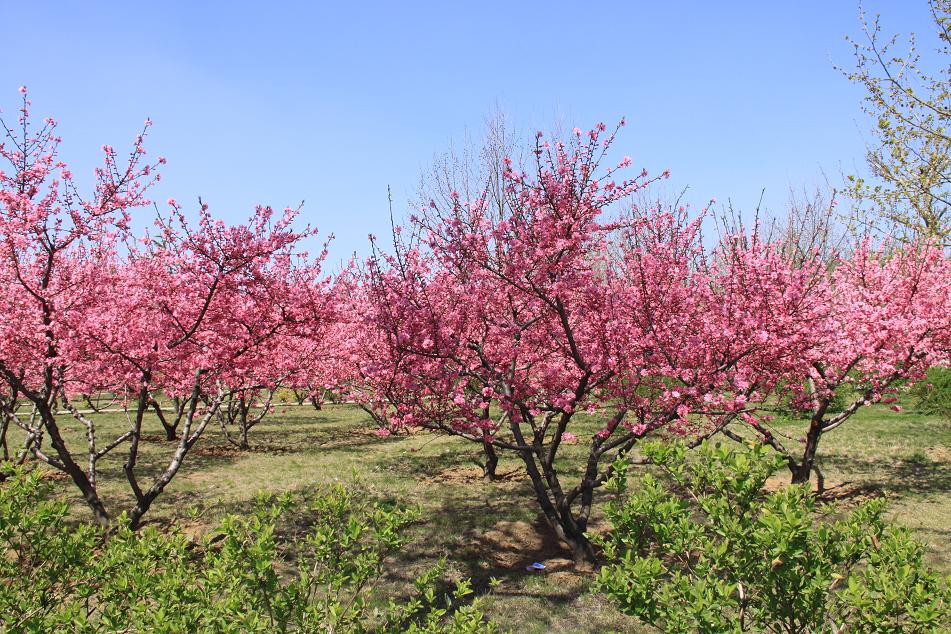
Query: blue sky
[[276, 103]]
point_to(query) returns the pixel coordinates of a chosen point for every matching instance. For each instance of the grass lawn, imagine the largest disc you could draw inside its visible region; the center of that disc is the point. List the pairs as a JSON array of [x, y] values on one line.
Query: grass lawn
[[493, 529]]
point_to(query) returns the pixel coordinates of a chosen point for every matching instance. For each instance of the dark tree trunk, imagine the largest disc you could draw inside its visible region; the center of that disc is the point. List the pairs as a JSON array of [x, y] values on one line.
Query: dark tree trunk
[[188, 437], [4, 425], [802, 472], [491, 461], [171, 428], [73, 470], [569, 528]]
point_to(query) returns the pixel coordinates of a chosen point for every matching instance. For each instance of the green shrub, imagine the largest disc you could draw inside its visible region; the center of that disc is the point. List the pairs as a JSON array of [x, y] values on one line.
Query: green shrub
[[56, 577], [706, 549], [933, 394]]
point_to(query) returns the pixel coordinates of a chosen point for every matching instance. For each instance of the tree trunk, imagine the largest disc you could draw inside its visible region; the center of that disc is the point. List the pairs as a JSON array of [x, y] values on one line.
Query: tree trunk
[[566, 526], [802, 472], [491, 461], [4, 425], [73, 470], [582, 550], [243, 424], [171, 430], [187, 439], [571, 530]]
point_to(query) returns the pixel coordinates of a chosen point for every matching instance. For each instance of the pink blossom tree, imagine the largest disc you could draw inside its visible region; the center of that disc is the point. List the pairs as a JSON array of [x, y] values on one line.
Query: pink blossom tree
[[182, 311], [300, 358], [882, 318], [194, 313], [500, 324], [53, 243]]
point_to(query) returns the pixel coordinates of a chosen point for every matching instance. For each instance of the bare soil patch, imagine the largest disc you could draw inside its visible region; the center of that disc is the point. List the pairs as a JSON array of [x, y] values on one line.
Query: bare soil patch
[[516, 545], [469, 475]]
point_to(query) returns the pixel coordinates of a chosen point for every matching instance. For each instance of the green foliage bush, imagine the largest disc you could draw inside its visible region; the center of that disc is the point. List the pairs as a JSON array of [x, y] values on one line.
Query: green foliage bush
[[58, 577], [707, 549], [933, 395]]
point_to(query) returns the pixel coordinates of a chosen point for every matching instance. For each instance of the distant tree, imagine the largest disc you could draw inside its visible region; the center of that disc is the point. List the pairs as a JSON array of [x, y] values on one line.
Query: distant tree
[[884, 321], [910, 162]]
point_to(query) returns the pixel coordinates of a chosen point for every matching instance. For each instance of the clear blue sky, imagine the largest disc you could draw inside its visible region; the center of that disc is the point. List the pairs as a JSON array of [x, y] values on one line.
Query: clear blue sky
[[281, 102]]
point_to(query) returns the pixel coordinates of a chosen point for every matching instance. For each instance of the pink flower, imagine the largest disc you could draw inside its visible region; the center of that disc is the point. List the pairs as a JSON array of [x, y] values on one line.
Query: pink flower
[[569, 439], [22, 90], [383, 432]]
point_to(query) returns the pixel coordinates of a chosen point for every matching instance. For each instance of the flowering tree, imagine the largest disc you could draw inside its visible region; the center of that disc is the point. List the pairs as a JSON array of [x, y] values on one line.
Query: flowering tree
[[298, 359], [181, 311], [501, 324], [883, 318], [207, 304], [53, 241]]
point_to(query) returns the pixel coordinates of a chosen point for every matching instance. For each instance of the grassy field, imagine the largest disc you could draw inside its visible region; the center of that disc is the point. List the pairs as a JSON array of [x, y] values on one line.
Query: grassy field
[[493, 529]]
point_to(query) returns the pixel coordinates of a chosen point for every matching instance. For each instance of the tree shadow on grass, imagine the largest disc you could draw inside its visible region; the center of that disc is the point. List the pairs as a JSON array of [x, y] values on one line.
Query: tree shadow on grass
[[426, 466], [310, 436], [901, 477], [492, 530]]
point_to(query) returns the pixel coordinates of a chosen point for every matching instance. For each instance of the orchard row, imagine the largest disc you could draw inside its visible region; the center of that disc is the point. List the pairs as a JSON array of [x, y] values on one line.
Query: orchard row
[[497, 316]]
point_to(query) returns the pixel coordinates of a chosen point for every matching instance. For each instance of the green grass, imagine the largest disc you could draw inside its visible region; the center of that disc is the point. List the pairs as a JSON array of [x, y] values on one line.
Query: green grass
[[904, 456], [493, 529]]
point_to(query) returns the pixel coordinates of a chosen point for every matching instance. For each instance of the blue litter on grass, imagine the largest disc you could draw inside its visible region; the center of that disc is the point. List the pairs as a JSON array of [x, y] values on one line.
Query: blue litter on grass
[[536, 566]]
